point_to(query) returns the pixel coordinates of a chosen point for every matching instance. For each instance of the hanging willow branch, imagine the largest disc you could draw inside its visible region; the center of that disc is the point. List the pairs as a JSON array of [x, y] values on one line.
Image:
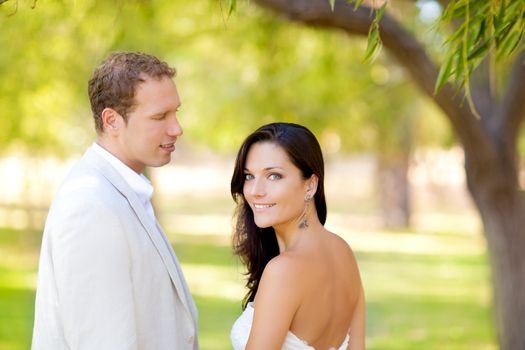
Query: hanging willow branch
[[33, 6], [489, 28]]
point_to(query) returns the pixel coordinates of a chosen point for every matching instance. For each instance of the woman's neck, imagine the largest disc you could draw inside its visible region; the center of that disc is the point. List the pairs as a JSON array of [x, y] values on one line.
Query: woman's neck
[[288, 236]]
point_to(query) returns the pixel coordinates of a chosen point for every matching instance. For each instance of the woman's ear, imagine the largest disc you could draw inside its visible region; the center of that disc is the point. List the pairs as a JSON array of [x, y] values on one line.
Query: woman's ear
[[111, 120], [311, 185]]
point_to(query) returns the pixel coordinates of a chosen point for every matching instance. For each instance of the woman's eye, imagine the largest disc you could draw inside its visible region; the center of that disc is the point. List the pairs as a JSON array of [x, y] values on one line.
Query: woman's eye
[[248, 177], [275, 176]]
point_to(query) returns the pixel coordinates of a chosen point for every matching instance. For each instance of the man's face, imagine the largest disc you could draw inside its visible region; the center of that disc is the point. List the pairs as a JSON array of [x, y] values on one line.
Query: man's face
[[152, 128]]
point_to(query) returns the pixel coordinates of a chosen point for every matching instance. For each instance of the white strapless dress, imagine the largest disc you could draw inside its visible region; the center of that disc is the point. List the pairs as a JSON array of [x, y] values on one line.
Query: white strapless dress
[[241, 331]]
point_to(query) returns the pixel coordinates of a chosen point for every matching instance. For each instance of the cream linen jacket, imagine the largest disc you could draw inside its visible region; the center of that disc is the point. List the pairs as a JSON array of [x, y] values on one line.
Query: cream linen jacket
[[107, 279]]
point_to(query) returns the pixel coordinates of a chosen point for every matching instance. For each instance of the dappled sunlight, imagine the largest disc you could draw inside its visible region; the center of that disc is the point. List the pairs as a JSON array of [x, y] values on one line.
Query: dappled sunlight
[[412, 243], [420, 301], [462, 222], [17, 219], [18, 268], [18, 279], [214, 281], [452, 278], [212, 224], [408, 241], [25, 197]]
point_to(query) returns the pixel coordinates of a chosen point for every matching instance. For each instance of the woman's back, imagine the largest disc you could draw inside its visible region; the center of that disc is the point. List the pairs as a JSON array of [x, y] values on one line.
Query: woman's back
[[329, 287]]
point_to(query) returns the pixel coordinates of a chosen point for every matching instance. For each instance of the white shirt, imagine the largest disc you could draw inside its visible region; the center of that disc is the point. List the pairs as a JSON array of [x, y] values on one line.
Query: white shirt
[[140, 185], [138, 182]]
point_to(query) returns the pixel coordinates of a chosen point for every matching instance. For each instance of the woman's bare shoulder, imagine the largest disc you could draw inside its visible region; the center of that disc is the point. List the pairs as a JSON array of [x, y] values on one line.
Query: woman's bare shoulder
[[281, 284], [284, 266], [342, 248], [341, 242]]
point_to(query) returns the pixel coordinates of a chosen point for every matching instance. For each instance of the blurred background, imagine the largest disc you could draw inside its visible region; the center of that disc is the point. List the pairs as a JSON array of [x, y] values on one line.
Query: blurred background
[[395, 178]]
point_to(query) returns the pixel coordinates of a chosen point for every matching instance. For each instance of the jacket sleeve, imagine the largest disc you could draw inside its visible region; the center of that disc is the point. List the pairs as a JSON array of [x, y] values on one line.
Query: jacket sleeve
[[92, 265]]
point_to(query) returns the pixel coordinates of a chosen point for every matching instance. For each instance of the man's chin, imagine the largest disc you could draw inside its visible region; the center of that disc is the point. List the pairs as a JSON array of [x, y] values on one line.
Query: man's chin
[[159, 163]]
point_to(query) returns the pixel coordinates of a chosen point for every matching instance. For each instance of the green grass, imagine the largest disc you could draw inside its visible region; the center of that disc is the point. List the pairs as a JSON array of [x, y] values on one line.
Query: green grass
[[18, 260], [427, 300]]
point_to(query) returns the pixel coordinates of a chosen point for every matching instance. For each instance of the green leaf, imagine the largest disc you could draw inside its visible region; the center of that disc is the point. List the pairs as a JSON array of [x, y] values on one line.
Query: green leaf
[[446, 16], [374, 39], [460, 10], [458, 33], [357, 4], [479, 51], [509, 44], [380, 13], [232, 5], [502, 32], [460, 66], [373, 44], [444, 73], [481, 31], [501, 13]]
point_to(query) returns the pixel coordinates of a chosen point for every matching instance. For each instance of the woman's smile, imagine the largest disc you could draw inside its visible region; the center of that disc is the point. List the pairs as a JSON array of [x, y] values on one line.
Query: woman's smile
[[261, 207]]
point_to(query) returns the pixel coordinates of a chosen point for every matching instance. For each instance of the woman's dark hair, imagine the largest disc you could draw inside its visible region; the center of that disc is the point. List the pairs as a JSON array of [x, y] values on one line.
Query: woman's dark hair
[[257, 246]]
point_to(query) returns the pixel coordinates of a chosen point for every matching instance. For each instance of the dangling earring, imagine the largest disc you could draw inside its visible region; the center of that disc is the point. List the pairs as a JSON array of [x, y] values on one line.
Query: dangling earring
[[304, 216]]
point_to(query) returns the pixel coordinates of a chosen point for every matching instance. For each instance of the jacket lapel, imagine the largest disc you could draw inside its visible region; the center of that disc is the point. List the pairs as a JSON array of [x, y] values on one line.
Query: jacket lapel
[[183, 288], [152, 228]]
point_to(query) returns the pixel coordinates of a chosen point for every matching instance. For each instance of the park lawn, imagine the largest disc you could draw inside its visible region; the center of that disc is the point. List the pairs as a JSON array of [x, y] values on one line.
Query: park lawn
[[414, 300]]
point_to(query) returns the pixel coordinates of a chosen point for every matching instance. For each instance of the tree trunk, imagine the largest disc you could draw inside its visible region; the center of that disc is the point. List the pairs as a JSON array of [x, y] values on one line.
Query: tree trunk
[[395, 148], [504, 228], [502, 209], [392, 173]]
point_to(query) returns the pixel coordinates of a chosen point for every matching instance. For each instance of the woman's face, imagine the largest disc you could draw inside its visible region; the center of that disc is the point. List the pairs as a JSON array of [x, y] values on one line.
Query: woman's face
[[274, 187]]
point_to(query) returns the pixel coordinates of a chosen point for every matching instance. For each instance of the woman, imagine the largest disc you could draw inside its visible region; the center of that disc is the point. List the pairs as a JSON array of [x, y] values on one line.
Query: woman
[[304, 289]]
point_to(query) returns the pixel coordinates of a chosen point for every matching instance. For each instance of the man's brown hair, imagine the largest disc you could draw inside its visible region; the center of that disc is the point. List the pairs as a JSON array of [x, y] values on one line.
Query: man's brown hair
[[115, 80]]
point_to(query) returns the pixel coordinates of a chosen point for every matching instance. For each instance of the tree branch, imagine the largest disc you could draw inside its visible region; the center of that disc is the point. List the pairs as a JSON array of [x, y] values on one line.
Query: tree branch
[[405, 48], [512, 108]]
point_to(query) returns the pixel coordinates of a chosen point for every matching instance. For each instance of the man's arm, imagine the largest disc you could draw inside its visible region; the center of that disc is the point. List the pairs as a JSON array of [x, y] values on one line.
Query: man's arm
[[92, 266]]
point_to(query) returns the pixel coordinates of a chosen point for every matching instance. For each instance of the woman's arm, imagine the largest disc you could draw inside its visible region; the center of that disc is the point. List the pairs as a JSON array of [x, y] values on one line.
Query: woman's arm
[[357, 326], [276, 302]]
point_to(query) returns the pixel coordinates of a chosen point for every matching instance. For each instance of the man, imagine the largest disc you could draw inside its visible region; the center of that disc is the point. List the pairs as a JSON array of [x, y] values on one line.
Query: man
[[108, 277]]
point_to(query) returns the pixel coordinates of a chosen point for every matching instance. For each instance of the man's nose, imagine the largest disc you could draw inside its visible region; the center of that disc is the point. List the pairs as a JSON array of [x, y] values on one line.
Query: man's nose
[[174, 127]]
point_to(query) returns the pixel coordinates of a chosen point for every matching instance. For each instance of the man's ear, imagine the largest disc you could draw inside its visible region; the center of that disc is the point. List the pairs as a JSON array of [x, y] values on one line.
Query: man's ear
[[111, 120]]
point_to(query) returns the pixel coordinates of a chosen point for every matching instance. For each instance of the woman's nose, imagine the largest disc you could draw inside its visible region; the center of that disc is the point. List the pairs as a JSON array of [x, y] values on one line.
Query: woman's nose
[[257, 188]]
